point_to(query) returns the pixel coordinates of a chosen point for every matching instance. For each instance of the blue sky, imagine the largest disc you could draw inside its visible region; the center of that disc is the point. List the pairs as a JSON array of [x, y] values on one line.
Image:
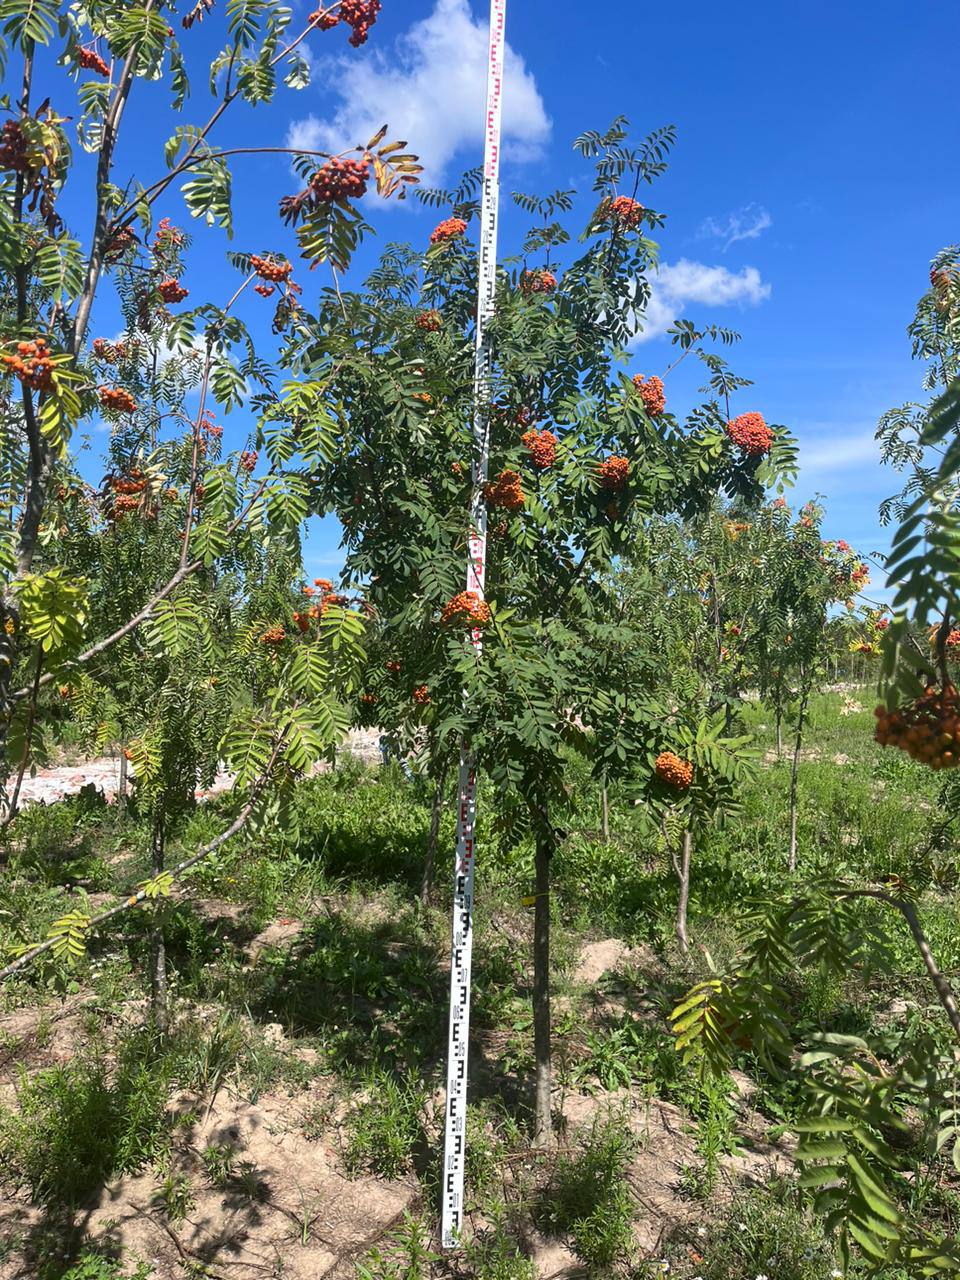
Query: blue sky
[[811, 184]]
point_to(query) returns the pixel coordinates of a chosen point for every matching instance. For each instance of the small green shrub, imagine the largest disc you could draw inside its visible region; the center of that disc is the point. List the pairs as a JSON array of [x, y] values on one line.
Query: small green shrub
[[94, 1266], [384, 1131], [405, 1256], [78, 1125], [588, 1200]]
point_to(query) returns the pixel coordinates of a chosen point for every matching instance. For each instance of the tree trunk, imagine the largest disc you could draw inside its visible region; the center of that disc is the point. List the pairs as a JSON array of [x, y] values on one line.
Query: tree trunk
[[605, 814], [158, 950], [686, 849], [122, 783], [430, 860], [779, 729], [543, 1125], [794, 768]]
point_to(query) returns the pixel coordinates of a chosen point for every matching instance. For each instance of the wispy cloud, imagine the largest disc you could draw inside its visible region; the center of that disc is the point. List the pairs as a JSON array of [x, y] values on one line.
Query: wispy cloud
[[676, 286], [430, 89], [747, 223], [841, 452]]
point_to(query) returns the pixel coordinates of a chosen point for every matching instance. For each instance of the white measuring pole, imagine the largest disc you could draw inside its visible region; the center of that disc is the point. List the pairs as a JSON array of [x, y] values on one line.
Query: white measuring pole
[[455, 1129]]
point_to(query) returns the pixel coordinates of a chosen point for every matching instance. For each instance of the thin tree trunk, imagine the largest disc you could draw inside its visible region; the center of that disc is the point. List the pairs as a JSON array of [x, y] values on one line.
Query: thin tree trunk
[[779, 730], [543, 1125], [122, 783], [686, 849], [158, 956], [794, 769], [605, 814], [430, 860]]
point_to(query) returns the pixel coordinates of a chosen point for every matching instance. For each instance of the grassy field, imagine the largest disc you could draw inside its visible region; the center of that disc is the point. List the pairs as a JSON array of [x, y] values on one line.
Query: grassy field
[[288, 1124]]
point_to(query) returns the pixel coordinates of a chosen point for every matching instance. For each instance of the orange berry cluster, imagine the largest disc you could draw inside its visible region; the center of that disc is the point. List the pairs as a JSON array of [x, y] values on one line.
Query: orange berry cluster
[[274, 635], [429, 321], [168, 236], [673, 771], [421, 695], [323, 21], [265, 290], [456, 468], [626, 211], [539, 281], [358, 14], [750, 433], [90, 60], [928, 729], [135, 482], [449, 229], [119, 242], [613, 473], [499, 530], [109, 352], [13, 148], [117, 399], [393, 665], [466, 608], [340, 179], [32, 364], [172, 290], [370, 699], [248, 460], [505, 491], [274, 271], [542, 447], [650, 391]]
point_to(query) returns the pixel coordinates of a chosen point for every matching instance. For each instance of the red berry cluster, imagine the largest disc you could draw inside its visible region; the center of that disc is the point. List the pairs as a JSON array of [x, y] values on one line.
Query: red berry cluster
[[13, 148], [650, 391], [248, 460], [466, 608], [340, 179], [265, 290], [542, 447], [626, 211], [449, 229], [135, 482], [613, 473], [673, 771], [109, 352], [274, 270], [273, 635], [750, 433], [90, 60], [928, 729], [456, 468], [119, 242], [505, 491], [429, 321], [323, 21], [393, 665], [360, 15], [172, 290], [539, 281], [32, 364], [421, 695], [117, 399], [369, 699]]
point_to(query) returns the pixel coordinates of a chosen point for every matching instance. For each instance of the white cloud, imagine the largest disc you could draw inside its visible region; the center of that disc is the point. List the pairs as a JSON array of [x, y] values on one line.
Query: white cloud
[[840, 453], [430, 90], [674, 287], [744, 224]]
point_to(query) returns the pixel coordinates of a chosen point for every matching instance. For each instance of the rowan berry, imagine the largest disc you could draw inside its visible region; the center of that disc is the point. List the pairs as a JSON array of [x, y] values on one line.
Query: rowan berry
[[467, 608], [674, 771], [428, 321], [927, 729], [447, 230], [116, 399], [393, 665], [276, 270], [13, 148], [505, 491], [172, 290], [625, 211], [750, 433], [340, 179], [421, 695], [273, 635], [613, 473], [538, 281], [265, 290], [90, 60], [32, 364], [248, 460], [542, 447], [650, 391]]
